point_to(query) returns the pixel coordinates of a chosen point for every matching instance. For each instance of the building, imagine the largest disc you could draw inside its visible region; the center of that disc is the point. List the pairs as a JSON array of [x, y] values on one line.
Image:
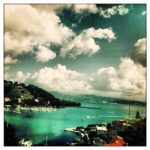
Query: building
[[7, 99], [101, 130], [117, 141]]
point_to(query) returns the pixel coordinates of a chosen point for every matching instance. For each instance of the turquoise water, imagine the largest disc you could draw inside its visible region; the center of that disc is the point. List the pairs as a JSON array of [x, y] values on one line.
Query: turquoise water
[[51, 125]]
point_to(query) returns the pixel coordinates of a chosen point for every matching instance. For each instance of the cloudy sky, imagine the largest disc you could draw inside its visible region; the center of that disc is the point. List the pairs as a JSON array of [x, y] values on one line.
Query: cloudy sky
[[78, 49]]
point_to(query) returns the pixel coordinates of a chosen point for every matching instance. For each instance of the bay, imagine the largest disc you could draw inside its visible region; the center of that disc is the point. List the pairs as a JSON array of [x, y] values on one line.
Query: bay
[[49, 126]]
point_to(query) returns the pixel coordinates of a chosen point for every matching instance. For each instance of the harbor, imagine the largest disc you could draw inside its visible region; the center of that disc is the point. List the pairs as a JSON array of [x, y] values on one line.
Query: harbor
[[71, 126], [74, 74], [116, 133]]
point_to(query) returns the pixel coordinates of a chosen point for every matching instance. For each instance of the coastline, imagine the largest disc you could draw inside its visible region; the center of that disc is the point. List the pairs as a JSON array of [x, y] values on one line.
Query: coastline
[[65, 116], [21, 109]]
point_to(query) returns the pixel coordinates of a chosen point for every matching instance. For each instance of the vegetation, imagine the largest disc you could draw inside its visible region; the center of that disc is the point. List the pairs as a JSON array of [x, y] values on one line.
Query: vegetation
[[30, 95], [10, 135], [136, 134]]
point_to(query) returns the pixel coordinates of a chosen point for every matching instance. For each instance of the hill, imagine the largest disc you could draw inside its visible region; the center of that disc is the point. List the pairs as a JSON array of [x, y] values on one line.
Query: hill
[[31, 95], [96, 99]]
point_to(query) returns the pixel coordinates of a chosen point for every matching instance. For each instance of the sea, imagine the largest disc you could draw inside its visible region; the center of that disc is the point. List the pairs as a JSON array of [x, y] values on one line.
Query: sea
[[47, 128]]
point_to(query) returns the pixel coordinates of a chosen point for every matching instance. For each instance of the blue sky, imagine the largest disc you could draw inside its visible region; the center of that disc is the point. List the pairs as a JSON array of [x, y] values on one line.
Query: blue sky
[[78, 49]]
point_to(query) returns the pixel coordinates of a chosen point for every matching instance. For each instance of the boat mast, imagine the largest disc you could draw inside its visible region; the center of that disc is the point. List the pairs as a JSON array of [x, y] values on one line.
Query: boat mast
[[46, 140], [129, 111]]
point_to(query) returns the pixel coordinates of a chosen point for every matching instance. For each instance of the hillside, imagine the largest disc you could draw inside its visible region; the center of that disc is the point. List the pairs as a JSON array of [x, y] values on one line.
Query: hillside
[[31, 95], [97, 99]]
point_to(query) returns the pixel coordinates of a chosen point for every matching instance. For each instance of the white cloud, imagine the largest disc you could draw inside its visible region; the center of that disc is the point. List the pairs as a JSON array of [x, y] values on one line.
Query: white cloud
[[53, 7], [79, 8], [101, 80], [60, 79], [84, 43], [17, 45], [6, 74], [131, 76], [19, 76], [106, 33], [139, 52], [29, 25], [91, 8], [26, 27], [106, 13], [128, 80], [141, 45], [122, 10], [9, 60], [115, 10], [44, 54]]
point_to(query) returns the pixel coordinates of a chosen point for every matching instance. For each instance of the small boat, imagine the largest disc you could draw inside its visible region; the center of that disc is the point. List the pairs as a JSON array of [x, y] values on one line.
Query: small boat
[[87, 116], [70, 129]]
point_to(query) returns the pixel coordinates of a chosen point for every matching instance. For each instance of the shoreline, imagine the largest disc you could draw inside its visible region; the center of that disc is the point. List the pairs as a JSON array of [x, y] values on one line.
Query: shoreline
[[40, 110], [21, 109]]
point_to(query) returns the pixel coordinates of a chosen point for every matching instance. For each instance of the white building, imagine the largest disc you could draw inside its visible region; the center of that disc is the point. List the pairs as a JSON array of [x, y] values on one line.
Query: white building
[[101, 130], [7, 99]]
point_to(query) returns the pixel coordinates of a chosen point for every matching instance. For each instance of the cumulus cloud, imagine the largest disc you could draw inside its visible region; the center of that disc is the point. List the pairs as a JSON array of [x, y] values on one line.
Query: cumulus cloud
[[106, 13], [44, 54], [138, 54], [131, 76], [6, 74], [26, 26], [9, 60], [53, 7], [91, 8], [128, 80], [84, 43], [122, 10], [60, 79], [29, 25], [115, 10], [101, 79], [80, 8], [19, 76]]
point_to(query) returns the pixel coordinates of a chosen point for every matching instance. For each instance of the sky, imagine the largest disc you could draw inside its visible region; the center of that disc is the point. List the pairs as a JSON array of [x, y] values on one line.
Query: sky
[[77, 48]]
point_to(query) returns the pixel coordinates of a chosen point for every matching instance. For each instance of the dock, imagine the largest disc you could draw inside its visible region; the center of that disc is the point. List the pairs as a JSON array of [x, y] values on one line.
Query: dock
[[72, 130]]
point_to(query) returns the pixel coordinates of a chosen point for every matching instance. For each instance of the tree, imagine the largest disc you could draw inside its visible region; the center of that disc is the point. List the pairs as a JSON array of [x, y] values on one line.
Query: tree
[[138, 115]]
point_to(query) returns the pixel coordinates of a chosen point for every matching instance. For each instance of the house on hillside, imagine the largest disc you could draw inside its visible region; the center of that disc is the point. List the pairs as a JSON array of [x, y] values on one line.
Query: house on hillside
[[101, 130], [7, 99]]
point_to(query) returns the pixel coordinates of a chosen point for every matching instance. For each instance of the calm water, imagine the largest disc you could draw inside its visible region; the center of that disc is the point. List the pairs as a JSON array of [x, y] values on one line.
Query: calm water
[[43, 126]]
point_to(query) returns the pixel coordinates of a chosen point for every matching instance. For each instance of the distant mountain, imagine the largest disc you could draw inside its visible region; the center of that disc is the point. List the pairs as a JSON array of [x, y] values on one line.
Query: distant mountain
[[31, 95], [96, 99]]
